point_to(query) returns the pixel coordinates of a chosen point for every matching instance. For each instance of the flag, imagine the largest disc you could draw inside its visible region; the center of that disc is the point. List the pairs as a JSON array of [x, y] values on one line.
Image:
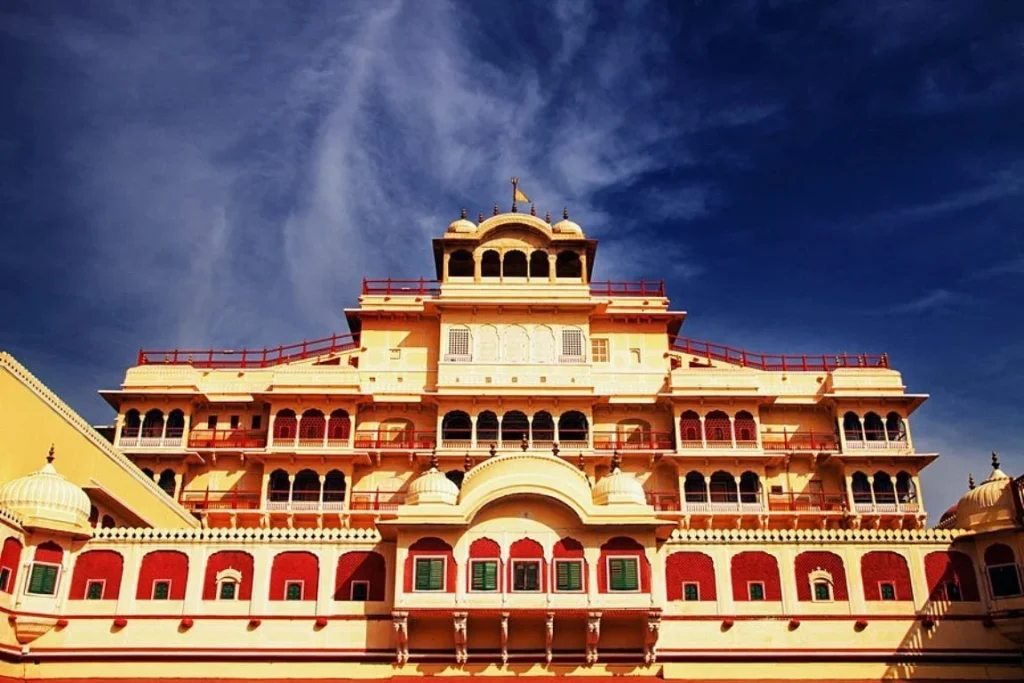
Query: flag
[[520, 196]]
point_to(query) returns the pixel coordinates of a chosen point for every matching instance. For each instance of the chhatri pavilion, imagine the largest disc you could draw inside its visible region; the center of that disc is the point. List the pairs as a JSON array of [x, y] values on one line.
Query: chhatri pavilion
[[506, 470]]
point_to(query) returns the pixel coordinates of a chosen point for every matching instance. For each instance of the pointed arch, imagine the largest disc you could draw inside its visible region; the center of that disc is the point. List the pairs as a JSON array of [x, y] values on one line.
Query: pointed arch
[[487, 344], [515, 345], [543, 344]]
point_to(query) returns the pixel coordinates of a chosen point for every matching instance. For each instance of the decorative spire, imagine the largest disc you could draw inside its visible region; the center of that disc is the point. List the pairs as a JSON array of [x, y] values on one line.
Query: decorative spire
[[533, 209], [50, 456], [547, 218], [524, 444], [492, 450], [495, 208], [995, 461], [970, 481], [463, 214], [616, 461], [480, 217], [565, 213], [467, 464], [581, 463], [434, 465], [554, 449]]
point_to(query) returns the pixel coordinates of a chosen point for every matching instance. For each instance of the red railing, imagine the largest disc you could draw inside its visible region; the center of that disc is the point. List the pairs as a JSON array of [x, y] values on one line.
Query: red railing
[[221, 500], [663, 501], [402, 439], [799, 441], [376, 501], [765, 361], [391, 287], [806, 502], [250, 358], [641, 288], [227, 438], [608, 440]]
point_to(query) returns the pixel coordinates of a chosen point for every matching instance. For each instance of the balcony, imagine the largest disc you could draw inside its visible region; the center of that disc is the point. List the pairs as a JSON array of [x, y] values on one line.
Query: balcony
[[251, 358], [876, 441], [389, 287], [777, 362], [807, 502], [150, 437], [810, 441], [221, 501], [372, 502], [633, 441], [748, 504], [305, 501], [643, 288], [308, 441], [864, 505], [235, 439], [395, 440]]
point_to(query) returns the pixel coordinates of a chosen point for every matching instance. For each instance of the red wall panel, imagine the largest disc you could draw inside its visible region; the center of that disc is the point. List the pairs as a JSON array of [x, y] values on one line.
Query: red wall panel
[[621, 546], [885, 566], [811, 560], [163, 565], [433, 547], [690, 567], [360, 566], [295, 566], [954, 566], [755, 565], [228, 559], [97, 565], [10, 557]]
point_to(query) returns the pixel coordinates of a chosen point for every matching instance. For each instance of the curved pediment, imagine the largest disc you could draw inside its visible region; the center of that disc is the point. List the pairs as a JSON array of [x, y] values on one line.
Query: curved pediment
[[512, 222]]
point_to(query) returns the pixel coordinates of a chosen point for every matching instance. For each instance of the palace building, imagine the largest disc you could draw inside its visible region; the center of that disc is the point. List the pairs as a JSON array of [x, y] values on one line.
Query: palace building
[[509, 470]]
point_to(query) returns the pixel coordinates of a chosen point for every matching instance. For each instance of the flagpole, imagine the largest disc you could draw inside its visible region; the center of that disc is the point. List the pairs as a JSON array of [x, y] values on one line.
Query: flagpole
[[515, 186]]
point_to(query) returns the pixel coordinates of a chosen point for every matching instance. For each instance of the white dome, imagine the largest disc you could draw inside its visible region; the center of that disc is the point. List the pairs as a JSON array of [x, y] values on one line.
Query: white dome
[[433, 487], [619, 488], [566, 226], [461, 225], [46, 500], [989, 506]]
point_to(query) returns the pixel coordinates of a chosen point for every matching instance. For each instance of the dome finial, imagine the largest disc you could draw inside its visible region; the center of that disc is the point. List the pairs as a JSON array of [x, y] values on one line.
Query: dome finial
[[495, 208], [616, 461], [463, 214], [467, 463], [492, 450], [480, 217], [554, 449], [524, 444], [50, 456], [533, 209], [581, 463], [547, 218], [970, 481], [565, 213], [995, 461], [434, 465]]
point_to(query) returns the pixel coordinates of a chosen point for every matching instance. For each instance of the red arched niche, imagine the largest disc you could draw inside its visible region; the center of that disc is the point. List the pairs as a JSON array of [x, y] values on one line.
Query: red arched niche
[[811, 560], [360, 565], [105, 566], [690, 567], [429, 547], [755, 566], [951, 566], [163, 565], [884, 566], [10, 559], [622, 546], [294, 566], [228, 559]]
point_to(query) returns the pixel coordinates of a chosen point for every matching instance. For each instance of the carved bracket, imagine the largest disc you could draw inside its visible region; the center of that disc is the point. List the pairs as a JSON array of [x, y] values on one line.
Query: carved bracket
[[401, 624], [549, 635], [651, 637], [504, 638], [593, 636], [461, 620]]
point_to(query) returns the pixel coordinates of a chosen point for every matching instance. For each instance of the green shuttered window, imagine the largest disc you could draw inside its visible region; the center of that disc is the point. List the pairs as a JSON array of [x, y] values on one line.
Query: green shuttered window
[[293, 591], [526, 576], [94, 591], [43, 580], [430, 574], [569, 575], [161, 590], [623, 574], [485, 575]]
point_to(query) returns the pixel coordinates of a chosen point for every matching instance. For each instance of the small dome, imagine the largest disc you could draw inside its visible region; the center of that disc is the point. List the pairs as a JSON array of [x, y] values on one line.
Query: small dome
[[989, 506], [461, 225], [566, 226], [47, 500], [619, 488], [433, 487]]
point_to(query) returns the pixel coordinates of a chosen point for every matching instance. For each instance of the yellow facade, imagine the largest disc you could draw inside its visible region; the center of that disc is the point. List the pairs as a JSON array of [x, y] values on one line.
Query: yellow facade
[[512, 470]]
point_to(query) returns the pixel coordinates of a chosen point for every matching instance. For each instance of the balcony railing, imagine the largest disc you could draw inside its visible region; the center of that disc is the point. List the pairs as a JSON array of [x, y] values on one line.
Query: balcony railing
[[777, 362], [250, 358], [150, 437], [227, 438], [637, 441], [884, 507], [641, 288], [720, 503], [305, 501], [807, 502], [799, 441], [221, 500], [391, 287], [376, 501], [663, 501], [398, 440], [310, 439], [876, 440]]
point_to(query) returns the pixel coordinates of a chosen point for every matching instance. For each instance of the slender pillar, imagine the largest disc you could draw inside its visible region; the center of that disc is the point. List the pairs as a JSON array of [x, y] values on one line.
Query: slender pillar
[[440, 422], [551, 267], [583, 267], [472, 431], [677, 429], [501, 435], [842, 434], [707, 490], [270, 429], [703, 433], [849, 493], [529, 430], [863, 433], [320, 500], [291, 489], [871, 485], [757, 431], [732, 430], [739, 499]]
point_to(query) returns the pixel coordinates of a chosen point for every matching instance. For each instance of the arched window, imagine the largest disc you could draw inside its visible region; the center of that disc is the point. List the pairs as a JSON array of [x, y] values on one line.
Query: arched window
[[906, 492], [746, 430], [895, 427], [108, 522], [338, 428], [294, 575], [455, 477], [543, 427], [821, 588], [94, 515], [812, 569], [515, 264], [755, 577], [334, 489], [312, 428], [623, 567], [97, 576], [568, 265], [285, 427], [573, 428], [852, 427], [278, 490], [429, 567], [693, 488], [861, 488], [515, 347], [543, 344], [167, 482], [514, 426], [486, 428], [456, 426], [886, 576], [153, 425], [539, 267], [951, 576], [690, 576], [1003, 572], [718, 430], [885, 493], [228, 576], [750, 488], [175, 424], [361, 577], [689, 429], [723, 488], [306, 488], [874, 430], [460, 264], [149, 473], [132, 423], [487, 344], [490, 264], [44, 571]]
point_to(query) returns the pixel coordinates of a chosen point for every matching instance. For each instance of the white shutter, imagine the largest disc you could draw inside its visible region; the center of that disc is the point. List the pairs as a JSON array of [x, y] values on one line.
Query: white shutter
[[543, 344], [458, 344], [572, 345], [487, 344], [516, 347]]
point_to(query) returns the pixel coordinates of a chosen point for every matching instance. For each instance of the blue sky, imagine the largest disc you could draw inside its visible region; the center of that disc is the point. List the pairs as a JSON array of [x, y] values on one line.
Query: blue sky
[[808, 176]]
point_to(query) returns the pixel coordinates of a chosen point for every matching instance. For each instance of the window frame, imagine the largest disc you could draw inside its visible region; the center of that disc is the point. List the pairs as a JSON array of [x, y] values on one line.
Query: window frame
[[566, 342], [956, 586], [466, 357], [554, 575], [222, 584], [352, 590], [524, 561], [691, 584], [5, 576], [302, 590], [152, 589], [497, 574], [882, 585], [56, 578], [608, 569], [818, 582], [602, 355], [991, 583], [444, 573], [89, 583], [750, 591]]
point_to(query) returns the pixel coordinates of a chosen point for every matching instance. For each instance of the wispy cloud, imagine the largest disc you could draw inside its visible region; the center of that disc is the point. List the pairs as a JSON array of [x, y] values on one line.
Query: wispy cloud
[[937, 300]]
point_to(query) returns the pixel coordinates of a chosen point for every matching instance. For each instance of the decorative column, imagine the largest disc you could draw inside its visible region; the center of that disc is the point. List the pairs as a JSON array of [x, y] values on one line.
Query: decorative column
[[707, 490], [179, 480], [676, 429], [163, 431], [849, 494], [863, 433], [871, 485], [270, 429], [757, 431], [918, 496], [551, 267], [501, 435], [476, 266], [440, 422], [739, 496], [763, 493], [590, 432], [529, 430], [265, 495], [447, 258], [352, 429], [557, 435], [583, 267], [703, 433], [906, 435], [118, 426], [186, 429], [320, 500], [472, 431], [291, 489], [732, 430], [842, 434]]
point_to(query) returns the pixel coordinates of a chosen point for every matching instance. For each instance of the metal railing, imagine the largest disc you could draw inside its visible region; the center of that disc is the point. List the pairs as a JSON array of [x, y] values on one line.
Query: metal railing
[[654, 288], [799, 441], [220, 500], [227, 438], [150, 437], [767, 361], [376, 501], [250, 358], [639, 440], [806, 502], [391, 287], [396, 439]]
